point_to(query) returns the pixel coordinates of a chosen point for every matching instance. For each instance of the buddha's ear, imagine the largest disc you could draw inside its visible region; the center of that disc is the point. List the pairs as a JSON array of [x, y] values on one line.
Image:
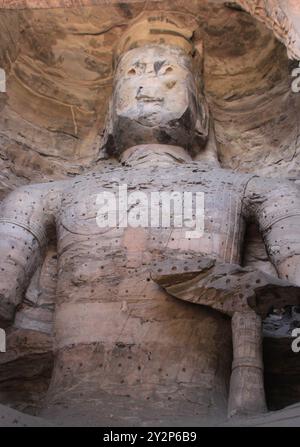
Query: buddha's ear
[[108, 146], [202, 123], [201, 131]]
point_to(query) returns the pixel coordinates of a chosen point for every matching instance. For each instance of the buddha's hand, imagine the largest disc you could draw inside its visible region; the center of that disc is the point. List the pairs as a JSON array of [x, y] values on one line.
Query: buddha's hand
[[228, 288]]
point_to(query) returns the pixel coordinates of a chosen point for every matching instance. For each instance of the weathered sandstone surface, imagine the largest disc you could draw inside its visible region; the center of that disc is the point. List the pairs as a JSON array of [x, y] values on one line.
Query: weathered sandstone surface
[[58, 63]]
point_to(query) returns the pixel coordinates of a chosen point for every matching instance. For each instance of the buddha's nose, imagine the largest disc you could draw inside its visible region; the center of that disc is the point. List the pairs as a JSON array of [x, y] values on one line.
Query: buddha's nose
[[140, 92], [140, 89]]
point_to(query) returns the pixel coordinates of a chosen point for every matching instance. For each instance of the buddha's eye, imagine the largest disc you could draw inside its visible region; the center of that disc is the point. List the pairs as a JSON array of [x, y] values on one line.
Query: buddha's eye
[[132, 72], [167, 69]]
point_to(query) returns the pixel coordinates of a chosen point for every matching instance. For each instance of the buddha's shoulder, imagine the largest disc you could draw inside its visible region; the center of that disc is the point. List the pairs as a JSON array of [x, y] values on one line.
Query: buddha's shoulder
[[190, 173]]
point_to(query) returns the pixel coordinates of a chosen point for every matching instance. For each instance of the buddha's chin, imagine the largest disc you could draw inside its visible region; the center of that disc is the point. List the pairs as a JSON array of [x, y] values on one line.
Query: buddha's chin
[[155, 118], [151, 120]]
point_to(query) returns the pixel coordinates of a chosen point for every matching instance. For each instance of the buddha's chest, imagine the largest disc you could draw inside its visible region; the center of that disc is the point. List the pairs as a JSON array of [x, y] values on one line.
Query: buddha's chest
[[152, 211]]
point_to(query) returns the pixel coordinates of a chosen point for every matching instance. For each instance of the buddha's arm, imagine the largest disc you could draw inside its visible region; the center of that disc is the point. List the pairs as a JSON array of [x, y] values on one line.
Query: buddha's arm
[[275, 206], [23, 227]]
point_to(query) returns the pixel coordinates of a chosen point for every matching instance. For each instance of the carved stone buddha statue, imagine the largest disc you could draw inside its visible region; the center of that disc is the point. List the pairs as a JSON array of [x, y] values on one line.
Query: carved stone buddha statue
[[126, 350]]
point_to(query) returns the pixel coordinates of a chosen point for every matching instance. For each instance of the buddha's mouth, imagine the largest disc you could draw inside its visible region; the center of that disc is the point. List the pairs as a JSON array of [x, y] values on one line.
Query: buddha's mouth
[[149, 99]]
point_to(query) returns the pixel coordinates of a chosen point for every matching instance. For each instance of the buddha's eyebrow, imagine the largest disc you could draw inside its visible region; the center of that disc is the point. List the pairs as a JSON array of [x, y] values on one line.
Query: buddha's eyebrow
[[158, 65]]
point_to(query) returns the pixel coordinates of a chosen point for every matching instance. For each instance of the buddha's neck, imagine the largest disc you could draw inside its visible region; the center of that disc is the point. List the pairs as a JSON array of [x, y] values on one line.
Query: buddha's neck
[[154, 155]]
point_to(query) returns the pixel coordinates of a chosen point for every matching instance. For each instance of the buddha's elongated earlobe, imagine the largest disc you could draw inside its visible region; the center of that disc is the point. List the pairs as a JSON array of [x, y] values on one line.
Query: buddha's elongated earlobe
[[202, 123], [108, 145]]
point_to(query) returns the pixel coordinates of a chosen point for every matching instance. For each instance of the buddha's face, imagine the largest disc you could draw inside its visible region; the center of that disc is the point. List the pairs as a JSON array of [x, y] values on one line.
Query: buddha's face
[[152, 86], [154, 98]]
